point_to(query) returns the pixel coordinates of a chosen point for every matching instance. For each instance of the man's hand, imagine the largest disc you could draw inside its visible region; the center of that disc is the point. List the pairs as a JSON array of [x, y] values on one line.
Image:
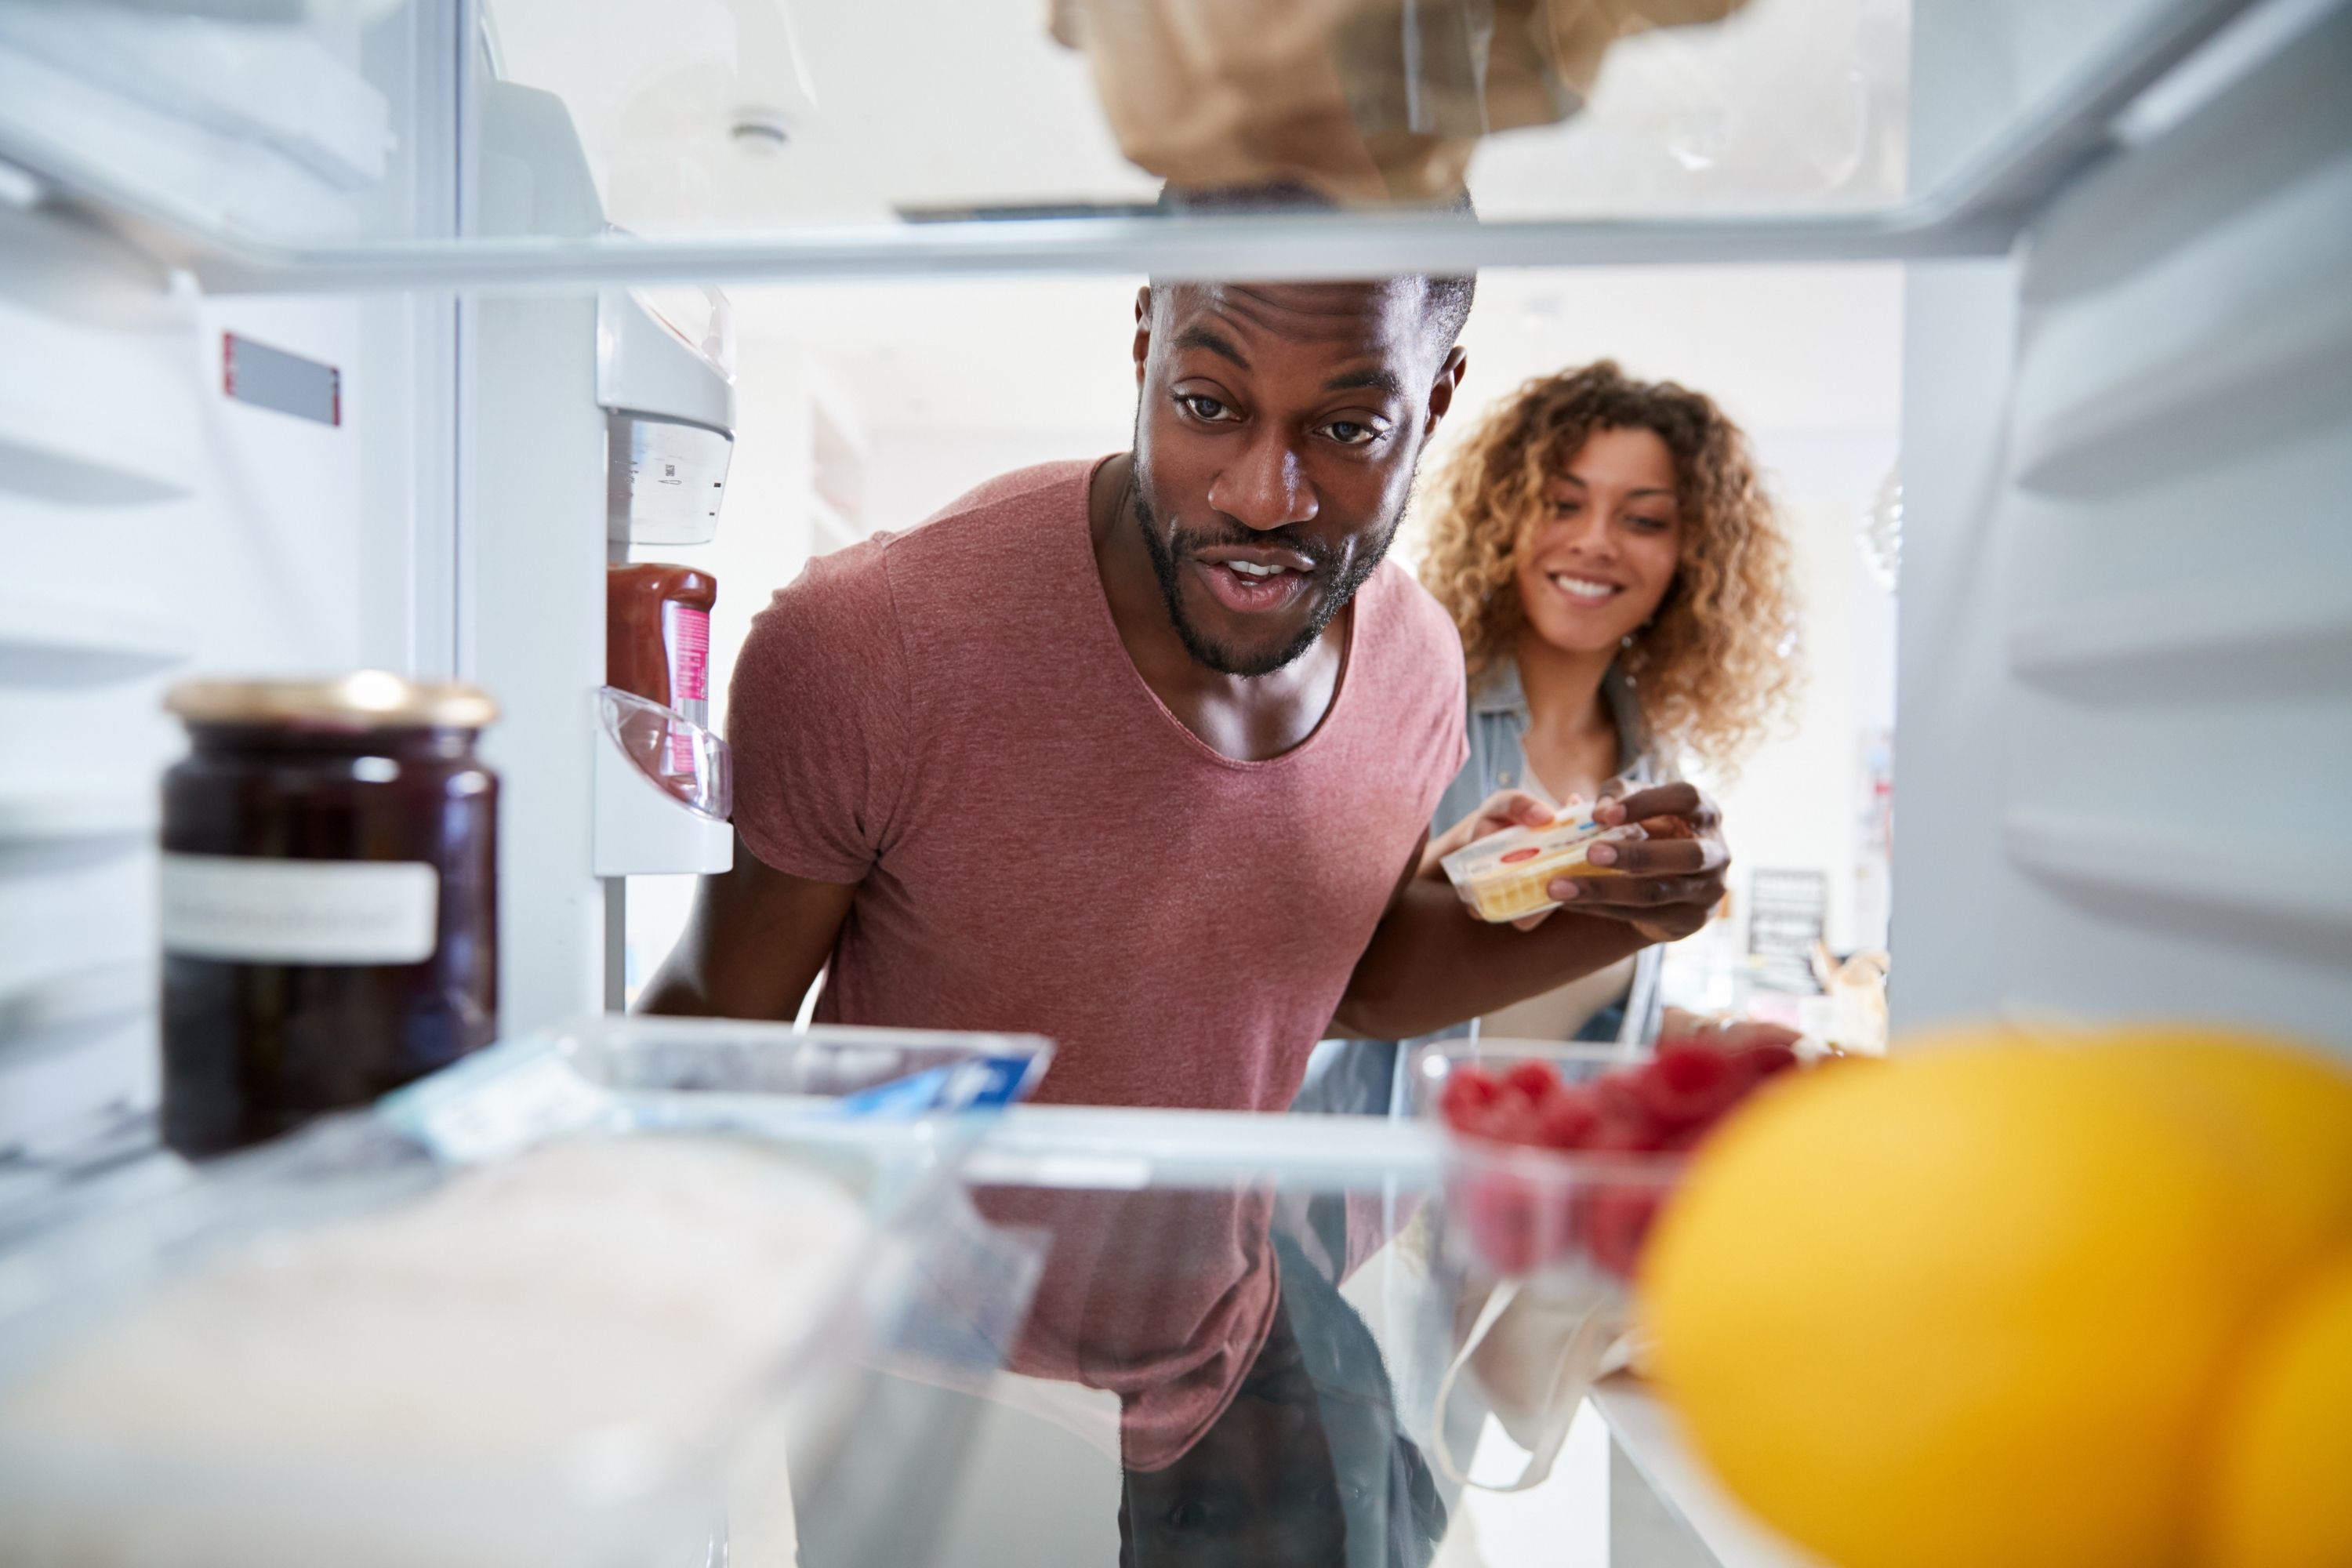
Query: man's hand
[[1668, 884], [1430, 964]]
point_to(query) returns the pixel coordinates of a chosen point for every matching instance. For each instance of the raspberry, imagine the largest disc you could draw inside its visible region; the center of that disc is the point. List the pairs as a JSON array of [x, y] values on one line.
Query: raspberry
[[1514, 1119], [1625, 1121], [1685, 1084], [1568, 1120], [1533, 1077], [1467, 1089], [1615, 1221], [1514, 1225]]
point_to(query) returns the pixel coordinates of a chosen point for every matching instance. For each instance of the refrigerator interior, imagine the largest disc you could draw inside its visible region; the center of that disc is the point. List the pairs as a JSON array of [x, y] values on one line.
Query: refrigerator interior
[[2124, 421]]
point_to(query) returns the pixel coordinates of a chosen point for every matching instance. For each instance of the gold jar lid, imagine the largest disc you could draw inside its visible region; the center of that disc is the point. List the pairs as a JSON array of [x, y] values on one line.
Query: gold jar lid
[[364, 699]]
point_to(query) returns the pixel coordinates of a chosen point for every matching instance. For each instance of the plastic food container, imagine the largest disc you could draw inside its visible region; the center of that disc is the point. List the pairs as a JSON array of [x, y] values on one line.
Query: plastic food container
[[1560, 1230], [1503, 876], [873, 1122], [1572, 1222], [836, 1084]]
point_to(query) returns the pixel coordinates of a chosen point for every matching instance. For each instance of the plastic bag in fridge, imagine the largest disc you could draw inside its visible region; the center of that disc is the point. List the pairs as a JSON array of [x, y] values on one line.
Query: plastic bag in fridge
[[642, 1321]]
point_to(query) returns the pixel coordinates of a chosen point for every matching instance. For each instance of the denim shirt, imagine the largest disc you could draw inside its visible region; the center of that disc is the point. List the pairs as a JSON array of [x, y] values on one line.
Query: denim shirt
[[1498, 759], [1367, 1076]]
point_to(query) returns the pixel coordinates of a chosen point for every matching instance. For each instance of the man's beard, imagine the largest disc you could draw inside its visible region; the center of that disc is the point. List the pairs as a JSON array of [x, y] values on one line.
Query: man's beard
[[1339, 585]]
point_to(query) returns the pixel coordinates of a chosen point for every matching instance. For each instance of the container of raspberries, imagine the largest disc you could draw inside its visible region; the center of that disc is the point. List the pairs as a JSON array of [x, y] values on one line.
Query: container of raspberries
[[1558, 1157]]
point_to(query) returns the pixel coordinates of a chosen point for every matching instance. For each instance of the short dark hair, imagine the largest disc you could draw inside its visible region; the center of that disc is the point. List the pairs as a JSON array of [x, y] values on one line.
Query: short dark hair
[[1447, 296]]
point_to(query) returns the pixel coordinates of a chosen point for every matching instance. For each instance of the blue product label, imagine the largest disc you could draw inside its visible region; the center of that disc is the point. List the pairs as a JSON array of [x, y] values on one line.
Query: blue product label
[[983, 1083]]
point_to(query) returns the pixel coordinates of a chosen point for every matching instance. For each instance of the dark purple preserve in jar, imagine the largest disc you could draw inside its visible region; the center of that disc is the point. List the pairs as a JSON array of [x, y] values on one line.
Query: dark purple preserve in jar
[[329, 898]]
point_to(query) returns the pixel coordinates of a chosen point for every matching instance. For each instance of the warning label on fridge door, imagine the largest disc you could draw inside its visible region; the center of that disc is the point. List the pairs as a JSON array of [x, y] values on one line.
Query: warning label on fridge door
[[240, 909]]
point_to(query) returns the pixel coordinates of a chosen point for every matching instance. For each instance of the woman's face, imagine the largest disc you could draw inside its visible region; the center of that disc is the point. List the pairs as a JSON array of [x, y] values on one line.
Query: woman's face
[[1600, 559]]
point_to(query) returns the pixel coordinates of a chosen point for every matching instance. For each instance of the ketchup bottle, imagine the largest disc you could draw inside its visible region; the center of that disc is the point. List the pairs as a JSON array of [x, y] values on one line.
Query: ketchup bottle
[[658, 635]]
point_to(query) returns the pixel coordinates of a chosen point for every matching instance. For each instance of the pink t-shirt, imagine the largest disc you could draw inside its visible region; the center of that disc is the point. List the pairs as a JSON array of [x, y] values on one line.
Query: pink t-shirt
[[947, 717]]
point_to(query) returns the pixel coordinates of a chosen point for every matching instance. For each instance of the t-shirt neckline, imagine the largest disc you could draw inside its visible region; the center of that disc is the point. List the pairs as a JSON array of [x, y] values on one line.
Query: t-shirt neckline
[[1116, 645]]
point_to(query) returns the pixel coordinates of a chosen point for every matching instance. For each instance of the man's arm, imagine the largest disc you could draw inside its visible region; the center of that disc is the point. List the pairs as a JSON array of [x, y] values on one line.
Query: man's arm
[[753, 946], [1431, 964]]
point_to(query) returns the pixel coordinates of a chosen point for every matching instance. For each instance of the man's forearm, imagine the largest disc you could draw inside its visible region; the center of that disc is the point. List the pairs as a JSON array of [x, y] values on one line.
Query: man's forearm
[[674, 992], [753, 945], [1431, 965]]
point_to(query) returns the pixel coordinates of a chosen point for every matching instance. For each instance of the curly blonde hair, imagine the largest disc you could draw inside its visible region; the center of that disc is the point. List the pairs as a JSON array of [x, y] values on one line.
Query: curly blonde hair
[[1716, 667]]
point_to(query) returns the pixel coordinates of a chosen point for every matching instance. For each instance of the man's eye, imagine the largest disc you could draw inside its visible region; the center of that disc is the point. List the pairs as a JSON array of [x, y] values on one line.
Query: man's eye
[[1203, 407], [1350, 432]]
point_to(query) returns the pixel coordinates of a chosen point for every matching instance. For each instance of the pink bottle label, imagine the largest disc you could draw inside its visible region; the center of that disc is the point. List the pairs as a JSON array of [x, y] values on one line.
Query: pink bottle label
[[686, 633]]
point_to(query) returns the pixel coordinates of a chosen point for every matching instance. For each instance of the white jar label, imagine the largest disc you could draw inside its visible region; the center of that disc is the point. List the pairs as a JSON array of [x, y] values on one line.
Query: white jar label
[[242, 910]]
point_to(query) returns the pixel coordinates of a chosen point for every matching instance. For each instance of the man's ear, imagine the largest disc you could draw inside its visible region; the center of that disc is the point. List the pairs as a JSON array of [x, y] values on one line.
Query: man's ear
[[1441, 390], [1142, 330]]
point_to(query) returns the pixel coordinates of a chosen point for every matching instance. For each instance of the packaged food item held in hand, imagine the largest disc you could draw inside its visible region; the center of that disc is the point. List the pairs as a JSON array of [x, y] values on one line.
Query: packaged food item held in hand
[[1508, 876]]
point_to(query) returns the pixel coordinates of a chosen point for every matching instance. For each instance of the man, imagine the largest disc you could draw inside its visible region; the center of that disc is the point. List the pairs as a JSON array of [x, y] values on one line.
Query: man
[[1140, 754]]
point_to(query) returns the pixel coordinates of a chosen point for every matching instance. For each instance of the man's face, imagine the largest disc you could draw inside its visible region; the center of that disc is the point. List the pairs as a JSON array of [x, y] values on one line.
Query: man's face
[[1278, 428]]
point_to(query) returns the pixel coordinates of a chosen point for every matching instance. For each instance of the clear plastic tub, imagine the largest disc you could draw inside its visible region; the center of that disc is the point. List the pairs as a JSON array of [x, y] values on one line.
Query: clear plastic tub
[[1554, 1237], [1505, 876], [1570, 1221], [782, 1456]]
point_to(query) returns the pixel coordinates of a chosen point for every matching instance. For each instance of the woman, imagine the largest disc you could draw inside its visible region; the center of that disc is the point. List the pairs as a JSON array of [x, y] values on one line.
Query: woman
[[1621, 583]]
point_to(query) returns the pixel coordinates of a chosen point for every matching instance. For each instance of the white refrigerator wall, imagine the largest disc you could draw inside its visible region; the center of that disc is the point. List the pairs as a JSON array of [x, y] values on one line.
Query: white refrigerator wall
[[2126, 642], [153, 529], [531, 633]]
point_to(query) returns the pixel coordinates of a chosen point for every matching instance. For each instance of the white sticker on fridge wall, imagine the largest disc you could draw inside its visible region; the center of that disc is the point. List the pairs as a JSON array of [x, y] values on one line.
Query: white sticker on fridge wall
[[242, 910]]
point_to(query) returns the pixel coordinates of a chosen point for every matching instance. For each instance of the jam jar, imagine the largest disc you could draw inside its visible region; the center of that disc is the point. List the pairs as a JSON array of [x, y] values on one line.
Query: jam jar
[[329, 905]]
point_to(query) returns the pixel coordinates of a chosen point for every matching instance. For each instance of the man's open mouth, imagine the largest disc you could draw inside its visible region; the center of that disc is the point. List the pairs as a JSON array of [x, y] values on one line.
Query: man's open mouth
[[1253, 587]]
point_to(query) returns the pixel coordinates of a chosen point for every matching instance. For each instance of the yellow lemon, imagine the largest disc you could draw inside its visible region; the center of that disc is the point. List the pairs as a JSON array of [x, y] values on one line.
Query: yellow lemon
[[2283, 1110], [1963, 1308], [2281, 1484]]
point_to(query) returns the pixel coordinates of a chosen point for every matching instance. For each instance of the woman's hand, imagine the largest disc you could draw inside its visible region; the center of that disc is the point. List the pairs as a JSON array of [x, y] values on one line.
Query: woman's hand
[[1504, 808], [1668, 884], [1722, 1034]]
